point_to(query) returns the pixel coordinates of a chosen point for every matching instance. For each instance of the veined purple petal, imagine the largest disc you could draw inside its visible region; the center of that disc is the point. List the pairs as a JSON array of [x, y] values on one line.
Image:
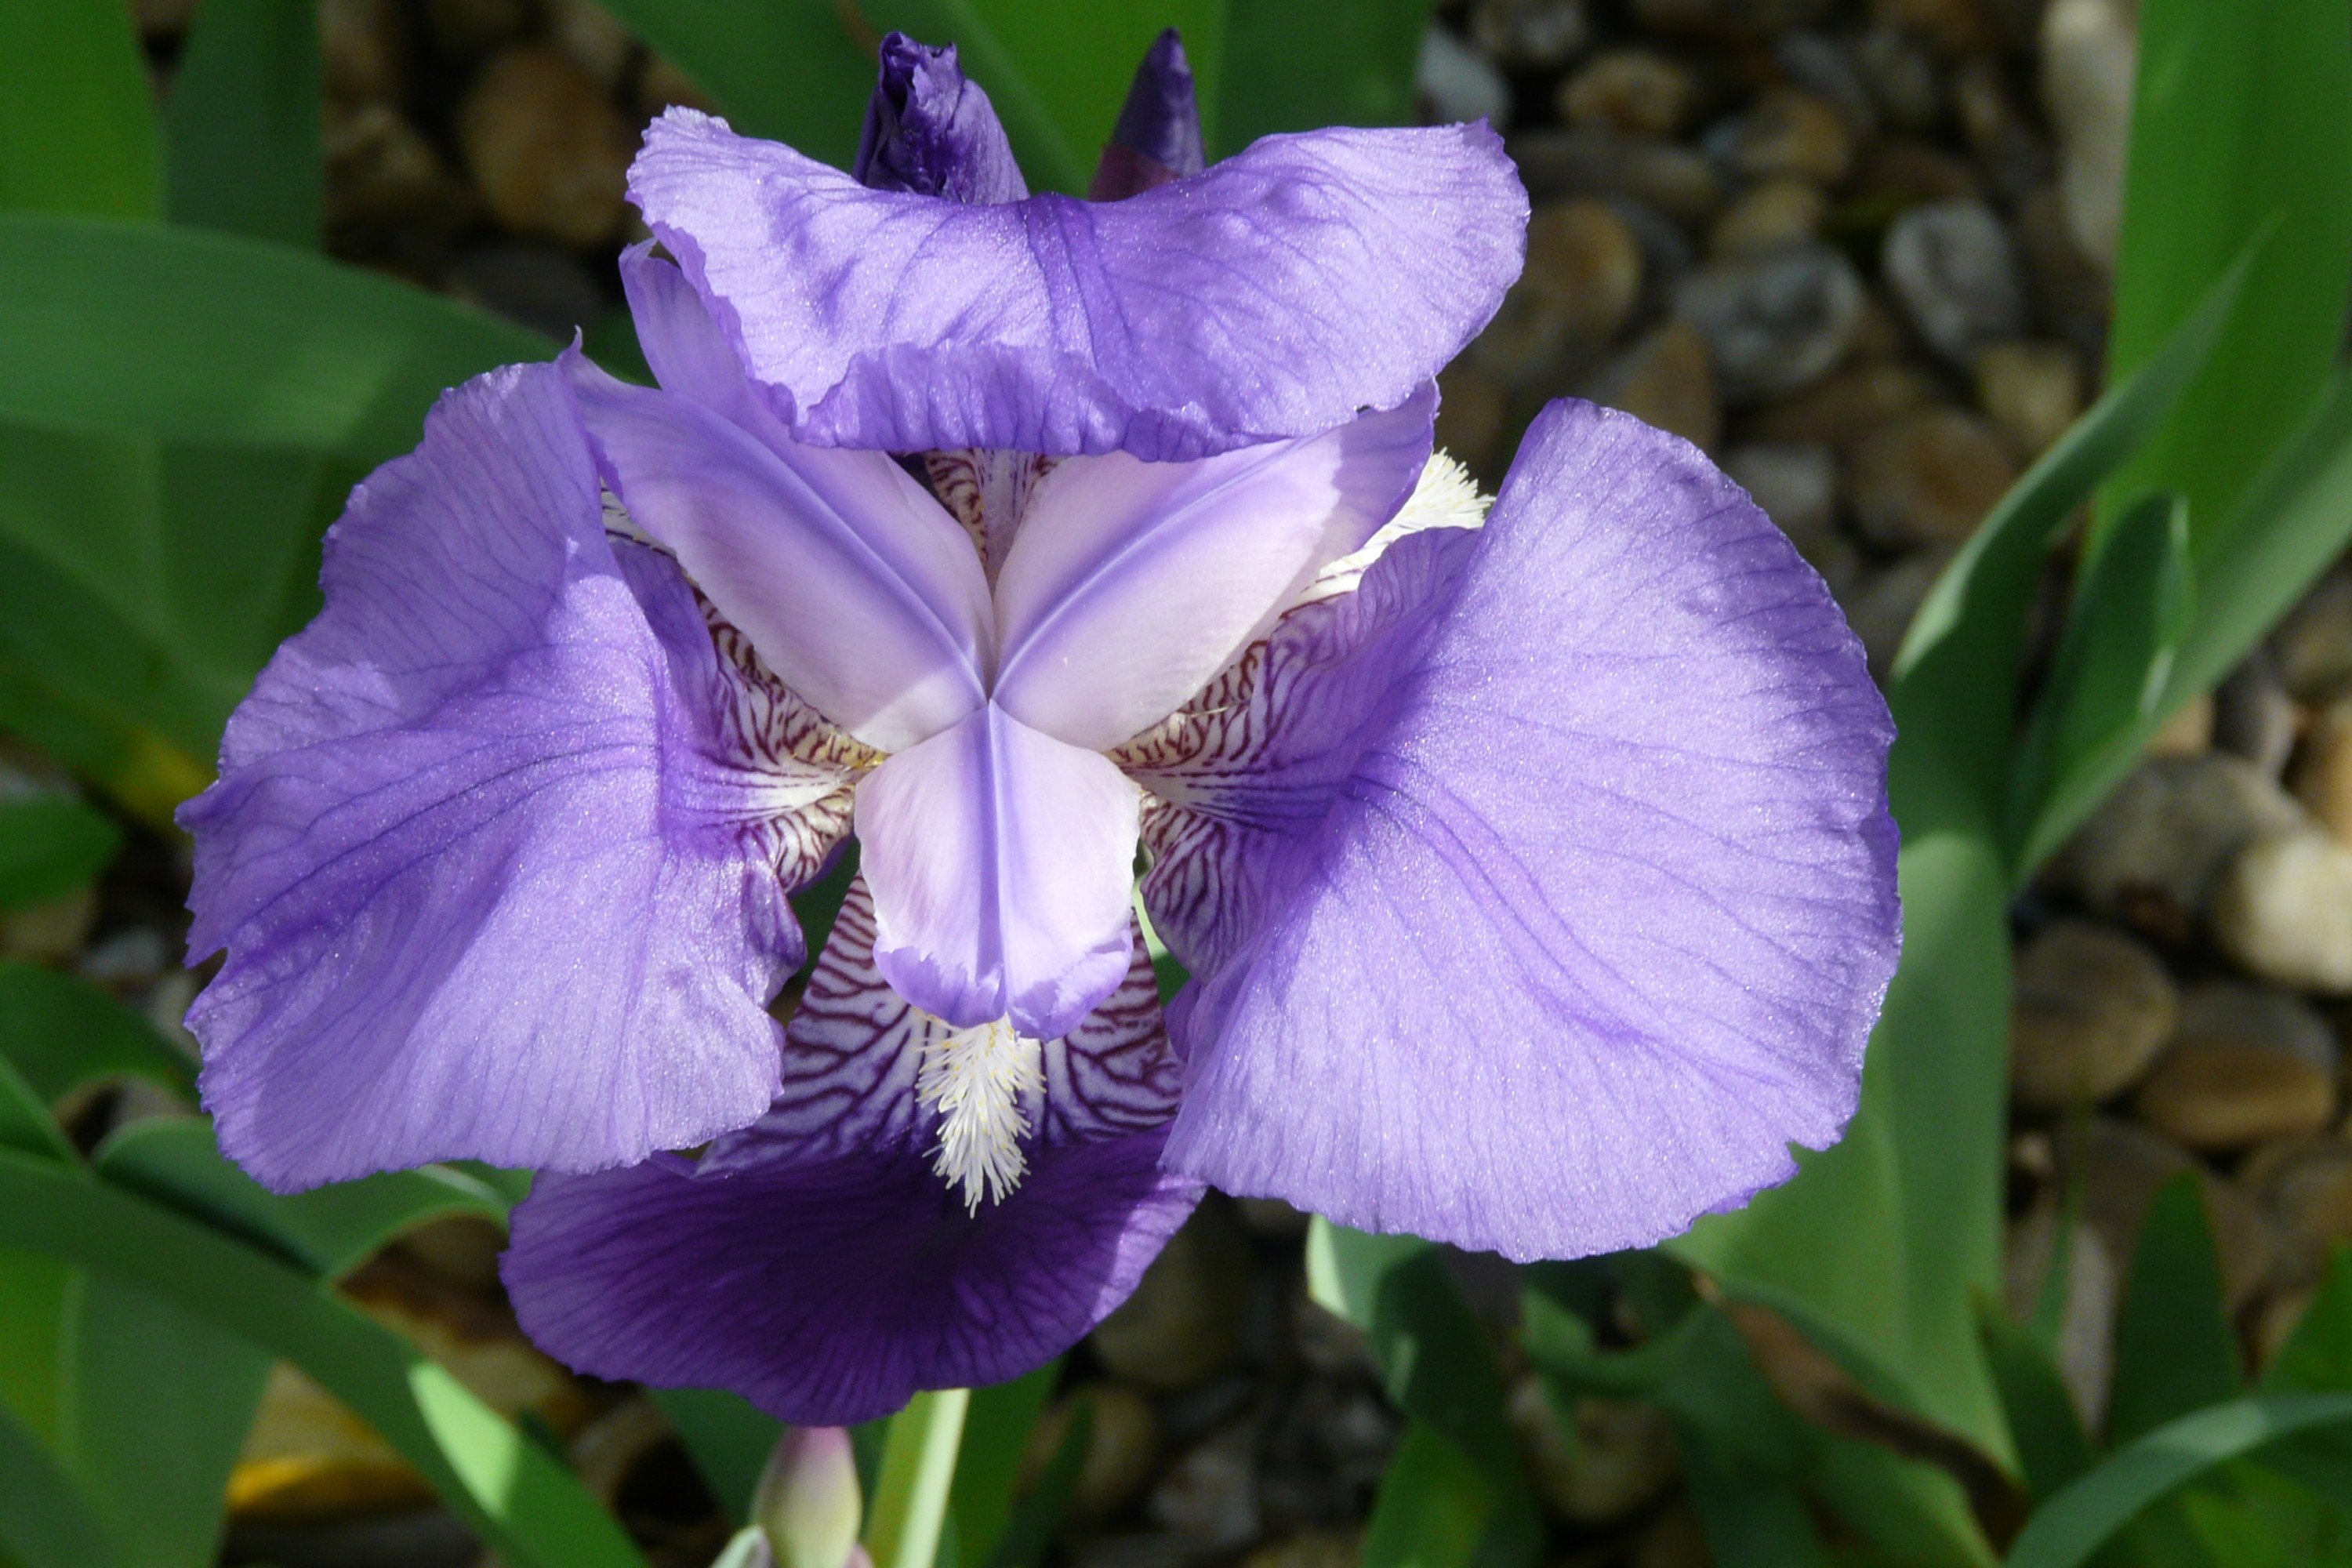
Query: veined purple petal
[[684, 347], [1000, 859], [1599, 918], [495, 873], [815, 1263], [1130, 584], [930, 129], [829, 1294], [1274, 296], [1157, 137], [854, 1050], [857, 589]]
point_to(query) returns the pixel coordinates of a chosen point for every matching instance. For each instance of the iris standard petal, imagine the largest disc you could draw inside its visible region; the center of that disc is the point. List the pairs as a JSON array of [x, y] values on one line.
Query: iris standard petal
[[853, 582], [684, 347], [816, 1263], [1601, 917], [931, 131], [1130, 584], [490, 884], [1001, 861], [1274, 296], [829, 1294]]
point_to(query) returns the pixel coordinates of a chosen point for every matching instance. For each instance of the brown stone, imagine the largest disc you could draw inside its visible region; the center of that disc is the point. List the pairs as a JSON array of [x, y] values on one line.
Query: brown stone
[[1776, 212], [546, 146], [2189, 732], [466, 28], [593, 38], [2314, 643], [1530, 35], [1844, 406], [1955, 26], [363, 49], [2307, 1187], [1788, 133], [2123, 1167], [2156, 848], [2031, 391], [1122, 1446], [2322, 772], [1902, 174], [2092, 1009], [1183, 1325], [1587, 161], [1927, 478], [1636, 91], [1734, 20], [1618, 1458], [1666, 380], [2248, 1064]]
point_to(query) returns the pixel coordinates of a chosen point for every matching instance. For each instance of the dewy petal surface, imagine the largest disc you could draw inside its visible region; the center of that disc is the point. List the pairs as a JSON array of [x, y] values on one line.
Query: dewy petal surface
[[814, 1263], [1275, 294], [1600, 915], [853, 582], [492, 883], [1001, 860], [1130, 584]]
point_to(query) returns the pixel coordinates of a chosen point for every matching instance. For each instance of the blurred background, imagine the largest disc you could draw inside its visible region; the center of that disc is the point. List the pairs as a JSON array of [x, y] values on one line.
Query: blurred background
[[2034, 306]]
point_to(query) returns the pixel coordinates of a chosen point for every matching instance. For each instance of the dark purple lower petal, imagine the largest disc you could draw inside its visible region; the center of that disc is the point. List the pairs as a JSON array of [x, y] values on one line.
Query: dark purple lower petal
[[1596, 919], [828, 1294]]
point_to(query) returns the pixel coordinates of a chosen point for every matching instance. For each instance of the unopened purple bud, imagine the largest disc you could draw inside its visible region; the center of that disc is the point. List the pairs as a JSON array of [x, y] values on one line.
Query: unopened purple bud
[[1157, 137], [931, 131]]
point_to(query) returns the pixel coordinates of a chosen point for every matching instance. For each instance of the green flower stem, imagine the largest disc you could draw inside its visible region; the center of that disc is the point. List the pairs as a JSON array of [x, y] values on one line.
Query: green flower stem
[[919, 1464]]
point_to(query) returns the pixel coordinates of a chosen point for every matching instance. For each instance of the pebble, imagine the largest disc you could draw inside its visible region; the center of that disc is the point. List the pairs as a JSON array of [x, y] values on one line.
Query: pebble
[[363, 49], [1902, 77], [383, 175], [50, 932], [2153, 852], [2092, 1009], [2253, 717], [1880, 607], [1618, 1458], [1824, 67], [1183, 1325], [2123, 1166], [548, 149], [2314, 643], [1635, 90], [465, 29], [1329, 1343], [2307, 1187], [1770, 216], [1786, 133], [1955, 272], [1458, 83], [1315, 1549], [1666, 379], [1845, 406], [2012, 157], [1586, 160], [1530, 35], [1954, 27], [2323, 776], [1927, 478], [2189, 732], [2089, 57], [1582, 281], [1208, 1498], [2284, 909], [596, 42], [2086, 1332], [1122, 1446], [1773, 323], [1899, 174], [2249, 1064], [2071, 293], [2031, 391], [1734, 20], [664, 85], [1794, 482]]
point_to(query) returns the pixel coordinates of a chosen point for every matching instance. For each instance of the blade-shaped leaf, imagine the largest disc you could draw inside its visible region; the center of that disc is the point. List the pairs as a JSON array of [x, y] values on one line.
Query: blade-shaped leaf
[[2072, 1525], [2134, 605], [2043, 1425], [1881, 1244], [2174, 1350], [50, 844], [209, 338], [2237, 130], [242, 125], [63, 1033], [77, 120], [329, 1230], [791, 70], [1030, 1527], [45, 1521], [1291, 65], [997, 1432], [520, 1499]]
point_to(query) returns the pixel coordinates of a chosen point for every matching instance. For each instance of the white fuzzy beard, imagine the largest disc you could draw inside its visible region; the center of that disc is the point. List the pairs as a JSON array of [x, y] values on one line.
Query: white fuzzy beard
[[976, 1079]]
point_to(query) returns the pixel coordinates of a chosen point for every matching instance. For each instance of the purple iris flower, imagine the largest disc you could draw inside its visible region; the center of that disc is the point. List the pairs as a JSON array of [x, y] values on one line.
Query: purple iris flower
[[1532, 864]]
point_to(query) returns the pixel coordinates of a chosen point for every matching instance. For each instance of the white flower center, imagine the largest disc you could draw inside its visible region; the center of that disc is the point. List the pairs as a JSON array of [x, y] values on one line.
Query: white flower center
[[975, 1077]]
